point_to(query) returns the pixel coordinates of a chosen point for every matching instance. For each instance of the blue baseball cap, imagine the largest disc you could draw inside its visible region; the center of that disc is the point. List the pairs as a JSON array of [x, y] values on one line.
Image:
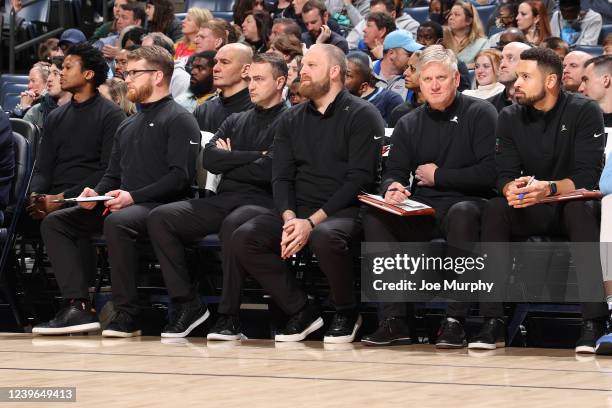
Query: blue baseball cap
[[72, 36], [401, 39]]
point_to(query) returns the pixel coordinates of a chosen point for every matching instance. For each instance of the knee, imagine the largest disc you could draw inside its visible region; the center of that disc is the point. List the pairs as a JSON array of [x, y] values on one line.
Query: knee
[[158, 221], [50, 223], [326, 238], [496, 207], [579, 211], [235, 219], [464, 214], [112, 224], [245, 239]]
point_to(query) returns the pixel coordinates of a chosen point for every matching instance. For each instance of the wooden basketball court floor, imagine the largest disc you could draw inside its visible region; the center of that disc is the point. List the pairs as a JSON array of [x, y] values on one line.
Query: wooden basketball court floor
[[151, 372]]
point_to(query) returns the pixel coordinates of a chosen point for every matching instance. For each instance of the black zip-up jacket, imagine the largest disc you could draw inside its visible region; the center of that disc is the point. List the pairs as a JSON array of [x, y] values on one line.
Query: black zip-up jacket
[[459, 140], [154, 154], [245, 168], [325, 161], [77, 143], [212, 113], [566, 142]]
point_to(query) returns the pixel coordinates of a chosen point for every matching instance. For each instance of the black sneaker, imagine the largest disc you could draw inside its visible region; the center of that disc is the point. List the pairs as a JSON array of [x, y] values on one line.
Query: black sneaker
[[450, 335], [226, 327], [76, 317], [391, 331], [122, 325], [591, 331], [343, 327], [492, 335], [185, 318], [301, 324]]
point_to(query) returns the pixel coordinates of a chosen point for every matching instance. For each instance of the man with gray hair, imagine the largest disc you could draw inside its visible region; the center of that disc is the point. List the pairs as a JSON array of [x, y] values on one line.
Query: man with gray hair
[[325, 152], [447, 148]]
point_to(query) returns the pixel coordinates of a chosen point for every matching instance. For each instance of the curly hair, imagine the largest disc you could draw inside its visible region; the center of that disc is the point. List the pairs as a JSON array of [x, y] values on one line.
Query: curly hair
[[91, 59]]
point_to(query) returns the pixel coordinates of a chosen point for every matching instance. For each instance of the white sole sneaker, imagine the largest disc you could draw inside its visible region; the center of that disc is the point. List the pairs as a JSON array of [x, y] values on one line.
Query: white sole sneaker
[[79, 328], [585, 349], [115, 333], [193, 325], [344, 339], [486, 346], [225, 337], [314, 326]]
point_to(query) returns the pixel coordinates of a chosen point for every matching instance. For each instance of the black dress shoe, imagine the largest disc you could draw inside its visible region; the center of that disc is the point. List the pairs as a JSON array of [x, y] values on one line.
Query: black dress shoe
[[343, 327], [391, 331]]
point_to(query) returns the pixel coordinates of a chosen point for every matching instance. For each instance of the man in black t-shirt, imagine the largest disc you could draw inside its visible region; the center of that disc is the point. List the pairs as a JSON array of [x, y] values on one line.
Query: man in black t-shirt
[[152, 162]]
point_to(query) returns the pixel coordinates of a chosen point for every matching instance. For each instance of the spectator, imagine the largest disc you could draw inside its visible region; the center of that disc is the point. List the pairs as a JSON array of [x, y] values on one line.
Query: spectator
[[439, 10], [429, 33], [510, 35], [279, 7], [360, 81], [507, 74], [179, 83], [256, 30], [160, 14], [201, 86], [130, 14], [116, 90], [49, 49], [573, 69], [315, 17], [486, 71], [194, 20], [287, 46], [286, 26], [295, 66], [602, 7], [506, 18], [557, 45], [414, 97], [120, 64], [242, 7], [130, 38], [398, 47], [211, 36], [109, 27], [295, 97], [378, 26], [576, 26], [464, 34], [607, 45], [402, 20], [70, 37], [352, 10], [37, 83], [532, 20], [54, 97]]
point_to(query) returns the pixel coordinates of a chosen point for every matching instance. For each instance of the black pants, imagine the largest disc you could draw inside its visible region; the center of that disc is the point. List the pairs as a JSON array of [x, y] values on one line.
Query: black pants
[[578, 220], [256, 245], [457, 221], [173, 226], [61, 231]]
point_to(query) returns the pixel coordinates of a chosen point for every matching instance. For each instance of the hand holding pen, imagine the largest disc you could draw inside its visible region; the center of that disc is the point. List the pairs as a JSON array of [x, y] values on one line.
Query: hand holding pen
[[396, 193]]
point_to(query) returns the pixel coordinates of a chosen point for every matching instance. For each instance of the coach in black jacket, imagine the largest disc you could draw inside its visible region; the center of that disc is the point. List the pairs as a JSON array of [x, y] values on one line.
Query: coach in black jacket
[[448, 145], [241, 152], [556, 137], [152, 162]]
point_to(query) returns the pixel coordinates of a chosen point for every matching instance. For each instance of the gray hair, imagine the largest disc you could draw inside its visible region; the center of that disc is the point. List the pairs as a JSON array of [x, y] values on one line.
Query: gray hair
[[437, 53]]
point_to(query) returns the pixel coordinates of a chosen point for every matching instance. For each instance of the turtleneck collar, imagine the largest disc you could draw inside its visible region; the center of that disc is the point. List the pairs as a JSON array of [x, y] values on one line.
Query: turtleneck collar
[[446, 113], [153, 105], [238, 96], [270, 111], [80, 105]]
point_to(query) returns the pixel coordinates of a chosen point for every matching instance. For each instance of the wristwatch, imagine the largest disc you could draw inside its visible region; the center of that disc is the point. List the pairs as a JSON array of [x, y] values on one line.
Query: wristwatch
[[553, 187]]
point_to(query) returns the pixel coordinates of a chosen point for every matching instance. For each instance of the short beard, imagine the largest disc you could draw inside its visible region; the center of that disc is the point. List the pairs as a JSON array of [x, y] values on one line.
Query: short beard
[[201, 88], [531, 100], [314, 90], [141, 94]]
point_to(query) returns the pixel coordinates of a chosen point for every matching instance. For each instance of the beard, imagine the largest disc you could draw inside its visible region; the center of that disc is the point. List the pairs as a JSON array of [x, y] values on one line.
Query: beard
[[530, 100], [141, 94], [201, 88], [314, 90]]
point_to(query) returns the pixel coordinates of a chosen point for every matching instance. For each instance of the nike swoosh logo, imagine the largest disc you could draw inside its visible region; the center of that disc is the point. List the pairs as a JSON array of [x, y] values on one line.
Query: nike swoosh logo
[[597, 135], [377, 137], [193, 143]]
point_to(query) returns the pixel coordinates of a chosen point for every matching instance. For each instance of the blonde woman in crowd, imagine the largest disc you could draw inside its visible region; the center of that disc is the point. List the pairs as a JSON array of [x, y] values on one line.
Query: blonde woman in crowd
[[116, 90], [464, 33], [195, 19]]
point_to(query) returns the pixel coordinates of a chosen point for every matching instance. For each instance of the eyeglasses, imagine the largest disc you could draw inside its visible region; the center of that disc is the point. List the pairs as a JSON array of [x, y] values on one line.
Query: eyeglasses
[[132, 73]]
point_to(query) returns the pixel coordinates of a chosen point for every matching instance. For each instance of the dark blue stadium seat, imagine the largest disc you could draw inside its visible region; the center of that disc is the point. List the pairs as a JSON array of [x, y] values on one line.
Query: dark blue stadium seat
[[226, 15], [13, 79], [605, 30], [420, 14], [485, 13], [37, 12], [210, 241], [494, 30], [180, 16], [471, 73], [212, 5], [9, 102], [594, 50], [10, 87]]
